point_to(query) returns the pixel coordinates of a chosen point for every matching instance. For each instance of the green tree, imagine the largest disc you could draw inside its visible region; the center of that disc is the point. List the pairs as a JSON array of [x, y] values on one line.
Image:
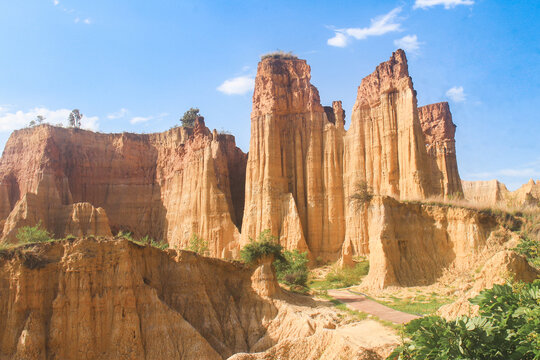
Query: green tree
[[75, 118], [40, 119], [362, 194], [188, 120]]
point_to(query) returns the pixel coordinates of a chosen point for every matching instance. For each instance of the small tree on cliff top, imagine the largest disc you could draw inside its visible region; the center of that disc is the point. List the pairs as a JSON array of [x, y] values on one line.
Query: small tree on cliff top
[[74, 118], [188, 120]]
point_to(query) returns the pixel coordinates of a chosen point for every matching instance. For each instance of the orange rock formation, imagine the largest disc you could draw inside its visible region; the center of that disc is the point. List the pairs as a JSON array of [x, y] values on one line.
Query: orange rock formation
[[439, 131], [113, 299], [168, 186]]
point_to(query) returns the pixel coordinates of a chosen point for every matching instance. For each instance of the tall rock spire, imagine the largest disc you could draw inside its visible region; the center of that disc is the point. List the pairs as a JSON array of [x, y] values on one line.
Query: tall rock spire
[[293, 176], [439, 131], [385, 145]]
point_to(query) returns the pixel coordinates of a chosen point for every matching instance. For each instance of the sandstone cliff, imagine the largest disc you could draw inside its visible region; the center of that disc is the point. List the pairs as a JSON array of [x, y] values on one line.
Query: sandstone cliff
[[484, 192], [88, 299], [385, 145], [168, 186], [439, 131], [294, 170], [414, 243]]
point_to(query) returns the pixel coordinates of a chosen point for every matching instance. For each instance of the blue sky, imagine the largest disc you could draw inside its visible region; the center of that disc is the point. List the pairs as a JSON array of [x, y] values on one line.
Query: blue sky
[[138, 65]]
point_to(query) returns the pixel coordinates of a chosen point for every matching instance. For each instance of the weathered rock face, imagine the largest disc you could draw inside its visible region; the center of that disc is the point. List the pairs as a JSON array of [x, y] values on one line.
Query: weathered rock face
[[528, 194], [439, 131], [294, 171], [168, 186], [412, 243], [484, 192], [385, 144], [108, 299]]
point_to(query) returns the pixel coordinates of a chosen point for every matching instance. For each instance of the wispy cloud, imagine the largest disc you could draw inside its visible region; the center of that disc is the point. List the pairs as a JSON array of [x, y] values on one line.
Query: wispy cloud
[[77, 18], [143, 119], [238, 85], [448, 4], [117, 115], [10, 121], [408, 43], [379, 26], [456, 94]]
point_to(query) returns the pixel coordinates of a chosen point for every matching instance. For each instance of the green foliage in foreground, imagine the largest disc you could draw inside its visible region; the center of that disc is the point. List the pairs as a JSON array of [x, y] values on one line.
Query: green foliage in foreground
[[33, 234], [507, 328], [291, 266]]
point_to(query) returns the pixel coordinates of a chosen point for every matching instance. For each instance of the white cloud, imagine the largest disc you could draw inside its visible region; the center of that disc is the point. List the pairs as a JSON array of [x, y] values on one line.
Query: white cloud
[[379, 26], [140, 119], [117, 115], [76, 20], [87, 21], [10, 121], [238, 85], [143, 119], [408, 43], [448, 4], [339, 40], [456, 94], [56, 2]]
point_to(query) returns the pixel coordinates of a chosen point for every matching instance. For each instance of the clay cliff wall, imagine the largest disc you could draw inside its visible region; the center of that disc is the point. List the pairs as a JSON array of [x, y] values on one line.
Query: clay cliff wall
[[168, 186]]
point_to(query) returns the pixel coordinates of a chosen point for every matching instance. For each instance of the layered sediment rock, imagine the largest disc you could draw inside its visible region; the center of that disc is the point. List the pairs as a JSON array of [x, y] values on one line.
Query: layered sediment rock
[[439, 131], [484, 192], [384, 146], [413, 243], [168, 185], [294, 170], [89, 299]]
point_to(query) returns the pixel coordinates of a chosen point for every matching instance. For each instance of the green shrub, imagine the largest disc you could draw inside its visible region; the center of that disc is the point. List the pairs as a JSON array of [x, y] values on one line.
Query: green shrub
[[33, 234], [198, 245], [508, 327], [126, 235], [530, 248], [189, 117], [362, 195], [266, 245], [147, 240], [292, 268]]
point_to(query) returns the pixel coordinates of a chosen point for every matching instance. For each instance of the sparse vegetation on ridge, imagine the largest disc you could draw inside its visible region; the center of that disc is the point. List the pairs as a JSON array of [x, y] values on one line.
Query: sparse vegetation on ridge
[[33, 234], [279, 54], [198, 245]]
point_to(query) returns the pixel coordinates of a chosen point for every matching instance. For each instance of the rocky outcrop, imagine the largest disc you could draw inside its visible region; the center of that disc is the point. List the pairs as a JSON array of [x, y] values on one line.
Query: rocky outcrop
[[484, 192], [414, 243], [88, 299], [294, 170], [439, 131], [167, 185], [527, 195]]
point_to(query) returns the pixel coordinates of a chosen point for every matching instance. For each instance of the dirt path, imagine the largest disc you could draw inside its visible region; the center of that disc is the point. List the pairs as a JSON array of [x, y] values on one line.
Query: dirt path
[[363, 304]]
